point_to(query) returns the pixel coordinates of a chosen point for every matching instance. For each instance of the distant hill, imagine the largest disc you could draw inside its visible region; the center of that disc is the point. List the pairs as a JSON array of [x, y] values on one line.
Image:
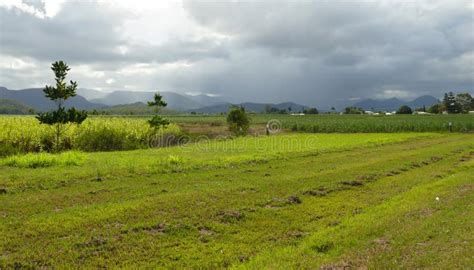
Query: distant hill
[[34, 98], [395, 103], [138, 108], [10, 106], [91, 93], [174, 100], [206, 100], [251, 107]]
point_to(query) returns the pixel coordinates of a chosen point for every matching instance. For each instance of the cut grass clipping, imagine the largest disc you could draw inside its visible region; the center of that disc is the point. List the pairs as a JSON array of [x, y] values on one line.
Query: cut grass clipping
[[41, 160]]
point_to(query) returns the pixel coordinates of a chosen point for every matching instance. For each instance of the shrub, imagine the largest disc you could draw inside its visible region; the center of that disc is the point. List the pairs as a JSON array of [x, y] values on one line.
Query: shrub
[[404, 110], [238, 121]]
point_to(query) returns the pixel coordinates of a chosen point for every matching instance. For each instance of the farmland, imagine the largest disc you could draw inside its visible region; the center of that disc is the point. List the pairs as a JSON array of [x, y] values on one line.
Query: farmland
[[290, 200], [349, 123], [24, 134]]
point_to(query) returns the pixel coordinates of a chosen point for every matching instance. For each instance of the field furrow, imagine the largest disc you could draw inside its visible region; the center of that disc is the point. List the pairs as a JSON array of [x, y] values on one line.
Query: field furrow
[[213, 217]]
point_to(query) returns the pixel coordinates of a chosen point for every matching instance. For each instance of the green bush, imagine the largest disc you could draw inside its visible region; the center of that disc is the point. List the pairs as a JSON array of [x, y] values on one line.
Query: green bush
[[238, 121]]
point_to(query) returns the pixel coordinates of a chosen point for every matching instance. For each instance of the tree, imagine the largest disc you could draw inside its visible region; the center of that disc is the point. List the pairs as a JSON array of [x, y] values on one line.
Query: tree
[[157, 121], [450, 103], [238, 121], [436, 108], [353, 110], [311, 111], [465, 102], [404, 110], [59, 94]]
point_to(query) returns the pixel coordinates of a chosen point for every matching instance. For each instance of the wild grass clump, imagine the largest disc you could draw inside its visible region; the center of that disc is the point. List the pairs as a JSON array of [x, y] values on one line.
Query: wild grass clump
[[42, 160]]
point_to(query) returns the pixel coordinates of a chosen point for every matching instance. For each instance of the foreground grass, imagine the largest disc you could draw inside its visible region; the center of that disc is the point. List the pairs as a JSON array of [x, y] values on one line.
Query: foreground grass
[[358, 200]]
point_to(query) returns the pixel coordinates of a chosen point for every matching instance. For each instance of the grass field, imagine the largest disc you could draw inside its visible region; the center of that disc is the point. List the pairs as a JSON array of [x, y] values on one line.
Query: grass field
[[22, 134], [324, 123], [383, 201]]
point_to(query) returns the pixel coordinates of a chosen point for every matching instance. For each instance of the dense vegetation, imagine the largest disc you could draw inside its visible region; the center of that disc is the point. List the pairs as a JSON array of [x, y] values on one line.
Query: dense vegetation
[[25, 134], [299, 201]]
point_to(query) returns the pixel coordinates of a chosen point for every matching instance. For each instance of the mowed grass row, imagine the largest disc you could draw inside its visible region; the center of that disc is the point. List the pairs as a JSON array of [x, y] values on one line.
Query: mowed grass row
[[206, 154], [350, 123], [327, 206]]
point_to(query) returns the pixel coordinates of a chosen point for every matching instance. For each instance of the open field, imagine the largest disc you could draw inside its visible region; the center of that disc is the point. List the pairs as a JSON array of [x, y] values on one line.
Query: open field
[[400, 200], [348, 123], [25, 134]]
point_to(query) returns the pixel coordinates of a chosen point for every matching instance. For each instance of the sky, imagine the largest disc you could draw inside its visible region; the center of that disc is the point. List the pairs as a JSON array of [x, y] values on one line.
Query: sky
[[313, 53]]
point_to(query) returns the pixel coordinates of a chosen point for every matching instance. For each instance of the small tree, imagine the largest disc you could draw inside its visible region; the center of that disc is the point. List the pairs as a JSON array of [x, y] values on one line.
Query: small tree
[[404, 110], [353, 110], [59, 94], [436, 108], [450, 103], [157, 121], [311, 111], [238, 121]]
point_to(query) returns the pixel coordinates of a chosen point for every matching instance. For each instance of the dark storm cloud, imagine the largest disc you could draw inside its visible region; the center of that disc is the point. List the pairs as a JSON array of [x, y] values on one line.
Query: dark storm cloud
[[349, 49], [317, 53], [89, 32]]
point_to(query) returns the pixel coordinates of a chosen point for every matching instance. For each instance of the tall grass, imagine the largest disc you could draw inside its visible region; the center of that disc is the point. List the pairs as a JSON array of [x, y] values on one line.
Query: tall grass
[[25, 134]]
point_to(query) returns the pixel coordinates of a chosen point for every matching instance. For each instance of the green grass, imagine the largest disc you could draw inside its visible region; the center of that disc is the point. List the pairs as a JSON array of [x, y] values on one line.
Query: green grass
[[41, 160], [349, 123], [278, 202]]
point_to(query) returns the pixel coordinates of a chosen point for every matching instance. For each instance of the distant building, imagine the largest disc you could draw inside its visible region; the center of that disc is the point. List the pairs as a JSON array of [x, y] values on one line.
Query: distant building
[[421, 113]]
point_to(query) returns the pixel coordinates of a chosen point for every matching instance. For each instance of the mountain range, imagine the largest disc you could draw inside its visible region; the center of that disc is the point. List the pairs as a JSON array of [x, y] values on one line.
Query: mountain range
[[34, 98], [251, 107], [89, 99], [393, 104]]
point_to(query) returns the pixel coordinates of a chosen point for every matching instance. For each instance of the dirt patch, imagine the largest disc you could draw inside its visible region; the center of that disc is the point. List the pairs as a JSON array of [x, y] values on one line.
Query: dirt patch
[[382, 242], [352, 183], [392, 173], [338, 266], [230, 216], [157, 228], [294, 200], [94, 242], [318, 192]]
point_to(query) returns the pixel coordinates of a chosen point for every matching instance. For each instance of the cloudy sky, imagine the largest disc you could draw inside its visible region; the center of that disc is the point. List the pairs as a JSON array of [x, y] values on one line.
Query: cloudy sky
[[314, 53]]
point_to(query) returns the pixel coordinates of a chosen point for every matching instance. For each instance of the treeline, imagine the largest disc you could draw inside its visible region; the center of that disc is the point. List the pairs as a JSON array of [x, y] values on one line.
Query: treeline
[[460, 103], [272, 110], [451, 104]]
